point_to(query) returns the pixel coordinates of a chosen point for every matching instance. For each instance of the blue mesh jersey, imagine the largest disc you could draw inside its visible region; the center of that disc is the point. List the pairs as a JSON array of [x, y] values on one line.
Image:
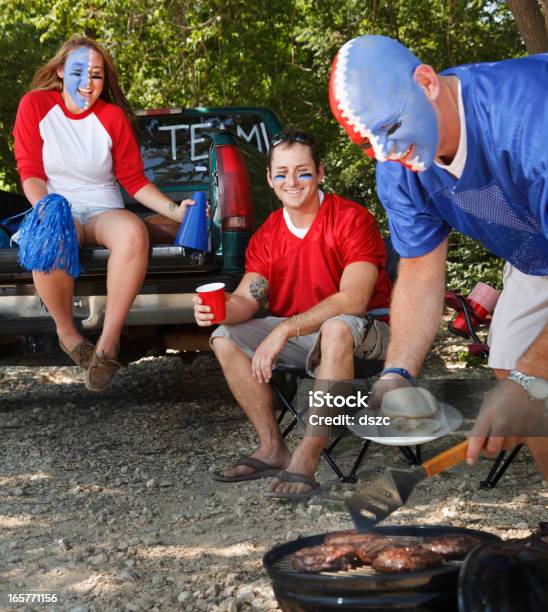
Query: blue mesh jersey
[[501, 198]]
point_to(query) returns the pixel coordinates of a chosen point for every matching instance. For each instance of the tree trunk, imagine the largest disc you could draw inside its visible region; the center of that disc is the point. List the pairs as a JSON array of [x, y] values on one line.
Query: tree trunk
[[532, 24]]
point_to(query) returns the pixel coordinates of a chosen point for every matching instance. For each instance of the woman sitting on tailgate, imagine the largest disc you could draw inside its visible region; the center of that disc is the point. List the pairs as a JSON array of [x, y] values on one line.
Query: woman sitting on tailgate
[[74, 137]]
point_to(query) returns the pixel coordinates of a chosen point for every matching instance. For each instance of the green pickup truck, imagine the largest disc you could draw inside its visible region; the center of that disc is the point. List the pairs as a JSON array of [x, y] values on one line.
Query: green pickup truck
[[221, 151]]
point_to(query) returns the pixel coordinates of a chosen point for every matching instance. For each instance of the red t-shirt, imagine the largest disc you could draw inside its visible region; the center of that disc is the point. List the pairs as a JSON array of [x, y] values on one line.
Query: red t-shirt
[[301, 272]]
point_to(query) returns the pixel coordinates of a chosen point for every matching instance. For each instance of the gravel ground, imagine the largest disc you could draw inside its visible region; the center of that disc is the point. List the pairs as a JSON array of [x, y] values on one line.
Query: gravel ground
[[106, 500]]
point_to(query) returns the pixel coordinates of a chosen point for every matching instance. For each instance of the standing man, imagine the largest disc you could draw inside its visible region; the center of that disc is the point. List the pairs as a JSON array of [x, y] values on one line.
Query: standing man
[[318, 263], [471, 150]]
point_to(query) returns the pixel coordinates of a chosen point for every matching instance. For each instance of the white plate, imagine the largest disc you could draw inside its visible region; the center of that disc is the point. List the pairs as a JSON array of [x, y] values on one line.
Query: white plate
[[450, 419]]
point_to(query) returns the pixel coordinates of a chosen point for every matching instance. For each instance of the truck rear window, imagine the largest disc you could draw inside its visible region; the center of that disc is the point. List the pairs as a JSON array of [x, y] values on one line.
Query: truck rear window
[[175, 148]]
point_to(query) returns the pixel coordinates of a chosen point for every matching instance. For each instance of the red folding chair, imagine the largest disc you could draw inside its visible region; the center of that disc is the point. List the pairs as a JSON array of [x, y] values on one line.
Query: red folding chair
[[465, 326]]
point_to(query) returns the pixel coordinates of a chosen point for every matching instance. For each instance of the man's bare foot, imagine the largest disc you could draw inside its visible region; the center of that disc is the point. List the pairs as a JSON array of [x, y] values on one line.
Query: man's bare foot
[[279, 458]]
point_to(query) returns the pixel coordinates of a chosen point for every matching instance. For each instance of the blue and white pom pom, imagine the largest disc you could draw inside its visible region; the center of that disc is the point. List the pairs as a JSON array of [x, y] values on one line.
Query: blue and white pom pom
[[48, 239]]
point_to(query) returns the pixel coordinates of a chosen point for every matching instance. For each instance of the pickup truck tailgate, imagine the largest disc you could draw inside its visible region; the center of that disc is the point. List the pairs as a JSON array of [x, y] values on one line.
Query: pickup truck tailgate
[[162, 259], [165, 297]]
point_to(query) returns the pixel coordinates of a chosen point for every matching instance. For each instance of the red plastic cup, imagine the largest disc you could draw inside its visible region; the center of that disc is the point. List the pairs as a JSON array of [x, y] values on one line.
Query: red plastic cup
[[213, 295]]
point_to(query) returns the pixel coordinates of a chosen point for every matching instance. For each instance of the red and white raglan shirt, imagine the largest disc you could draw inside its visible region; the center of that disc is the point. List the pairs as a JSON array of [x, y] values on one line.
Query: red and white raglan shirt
[[302, 272], [80, 156]]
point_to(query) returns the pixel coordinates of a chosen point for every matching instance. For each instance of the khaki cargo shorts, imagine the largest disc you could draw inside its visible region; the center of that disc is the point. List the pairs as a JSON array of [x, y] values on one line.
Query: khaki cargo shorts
[[520, 315], [370, 340]]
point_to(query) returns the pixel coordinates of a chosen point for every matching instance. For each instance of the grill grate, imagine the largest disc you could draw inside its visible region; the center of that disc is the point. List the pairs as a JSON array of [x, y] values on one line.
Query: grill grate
[[285, 563]]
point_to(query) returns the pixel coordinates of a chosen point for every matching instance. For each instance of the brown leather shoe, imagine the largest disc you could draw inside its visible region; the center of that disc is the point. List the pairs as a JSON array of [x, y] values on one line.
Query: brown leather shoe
[[81, 354], [100, 373]]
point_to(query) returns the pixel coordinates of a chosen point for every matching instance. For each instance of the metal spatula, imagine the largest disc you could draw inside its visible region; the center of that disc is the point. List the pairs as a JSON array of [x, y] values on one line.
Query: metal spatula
[[381, 497]]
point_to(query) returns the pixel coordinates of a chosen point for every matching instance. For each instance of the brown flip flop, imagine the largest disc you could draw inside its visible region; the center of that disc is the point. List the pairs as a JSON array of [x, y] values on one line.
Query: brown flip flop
[[285, 476], [262, 470]]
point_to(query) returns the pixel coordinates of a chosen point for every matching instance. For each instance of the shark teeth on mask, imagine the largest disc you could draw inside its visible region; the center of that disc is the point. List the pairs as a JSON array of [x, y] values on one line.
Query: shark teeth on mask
[[397, 156], [415, 164], [345, 106], [341, 96]]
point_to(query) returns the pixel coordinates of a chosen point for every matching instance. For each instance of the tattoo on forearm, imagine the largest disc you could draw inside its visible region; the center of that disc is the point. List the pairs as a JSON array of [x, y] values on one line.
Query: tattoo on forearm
[[172, 206], [259, 291]]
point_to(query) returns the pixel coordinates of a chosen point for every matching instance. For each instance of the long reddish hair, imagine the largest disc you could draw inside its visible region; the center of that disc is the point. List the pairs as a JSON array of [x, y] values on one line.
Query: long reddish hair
[[46, 77]]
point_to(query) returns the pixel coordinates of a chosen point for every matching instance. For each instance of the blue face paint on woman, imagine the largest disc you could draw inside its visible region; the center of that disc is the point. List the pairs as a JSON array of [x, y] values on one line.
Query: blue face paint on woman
[[76, 74], [374, 96]]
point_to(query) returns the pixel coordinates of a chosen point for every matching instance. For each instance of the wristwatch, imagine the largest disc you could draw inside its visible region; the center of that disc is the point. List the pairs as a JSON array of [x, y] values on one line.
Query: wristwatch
[[537, 388]]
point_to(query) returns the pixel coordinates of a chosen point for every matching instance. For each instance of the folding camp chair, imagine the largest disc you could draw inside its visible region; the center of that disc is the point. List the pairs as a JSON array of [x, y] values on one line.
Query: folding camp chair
[[284, 384], [477, 348], [285, 380], [285, 392]]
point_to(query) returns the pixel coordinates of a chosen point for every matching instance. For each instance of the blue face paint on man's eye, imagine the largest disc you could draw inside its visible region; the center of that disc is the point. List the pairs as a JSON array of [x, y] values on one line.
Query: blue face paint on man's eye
[[305, 176], [76, 74], [279, 178]]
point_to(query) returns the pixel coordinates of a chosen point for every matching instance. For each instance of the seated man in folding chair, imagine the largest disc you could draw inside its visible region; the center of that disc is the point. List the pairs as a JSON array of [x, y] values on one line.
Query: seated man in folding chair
[[464, 149], [319, 265]]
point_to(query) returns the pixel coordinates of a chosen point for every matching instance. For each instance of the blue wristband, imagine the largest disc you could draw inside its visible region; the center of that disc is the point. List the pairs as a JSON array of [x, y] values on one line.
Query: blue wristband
[[400, 371]]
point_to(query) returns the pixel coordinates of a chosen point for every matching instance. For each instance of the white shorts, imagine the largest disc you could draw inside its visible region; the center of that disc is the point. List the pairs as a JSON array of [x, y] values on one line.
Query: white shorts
[[83, 215], [520, 316]]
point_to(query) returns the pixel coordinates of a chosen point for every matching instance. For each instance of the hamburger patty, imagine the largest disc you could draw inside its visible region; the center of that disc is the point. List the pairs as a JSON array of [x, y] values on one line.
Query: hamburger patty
[[369, 551], [405, 559], [325, 557], [455, 546], [351, 538]]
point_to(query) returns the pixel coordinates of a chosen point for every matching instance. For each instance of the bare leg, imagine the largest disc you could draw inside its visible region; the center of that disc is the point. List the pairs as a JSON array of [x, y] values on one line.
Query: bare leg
[[538, 446], [337, 363], [539, 450], [56, 290], [255, 399], [126, 236]]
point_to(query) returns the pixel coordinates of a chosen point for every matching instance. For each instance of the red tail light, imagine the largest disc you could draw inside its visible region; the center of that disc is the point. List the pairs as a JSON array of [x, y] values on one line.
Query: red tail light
[[234, 189]]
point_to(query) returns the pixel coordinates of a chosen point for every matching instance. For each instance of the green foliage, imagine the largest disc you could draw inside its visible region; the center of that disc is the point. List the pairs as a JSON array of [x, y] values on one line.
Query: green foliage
[[471, 361], [274, 53], [469, 262]]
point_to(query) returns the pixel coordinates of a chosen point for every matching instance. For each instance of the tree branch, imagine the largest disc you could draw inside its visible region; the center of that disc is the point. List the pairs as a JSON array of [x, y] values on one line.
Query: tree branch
[[531, 23]]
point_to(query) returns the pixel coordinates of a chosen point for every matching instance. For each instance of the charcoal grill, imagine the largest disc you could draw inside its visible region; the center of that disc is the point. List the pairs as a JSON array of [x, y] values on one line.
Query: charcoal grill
[[363, 588]]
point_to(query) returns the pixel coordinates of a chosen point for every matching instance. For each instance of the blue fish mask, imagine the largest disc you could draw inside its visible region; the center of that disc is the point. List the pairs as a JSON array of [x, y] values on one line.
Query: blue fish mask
[[76, 74], [375, 98]]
